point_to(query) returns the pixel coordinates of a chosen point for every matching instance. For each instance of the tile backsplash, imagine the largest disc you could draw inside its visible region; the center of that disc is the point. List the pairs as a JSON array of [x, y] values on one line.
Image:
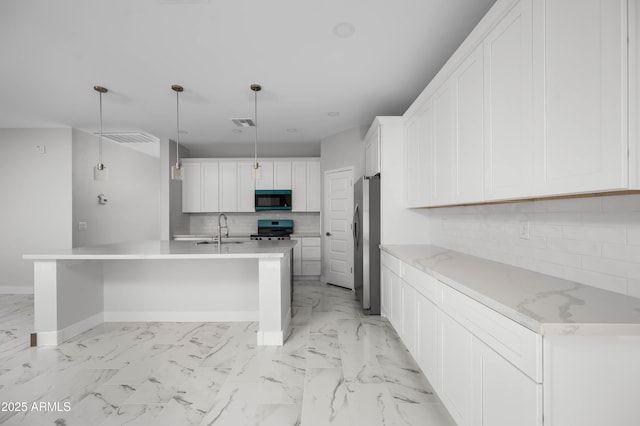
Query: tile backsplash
[[594, 241], [246, 223]]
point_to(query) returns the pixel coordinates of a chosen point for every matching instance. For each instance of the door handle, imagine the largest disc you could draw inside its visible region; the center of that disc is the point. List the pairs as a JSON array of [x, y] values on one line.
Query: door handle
[[328, 234]]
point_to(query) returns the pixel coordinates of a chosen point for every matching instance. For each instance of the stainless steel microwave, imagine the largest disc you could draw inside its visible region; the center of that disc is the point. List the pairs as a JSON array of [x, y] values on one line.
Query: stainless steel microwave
[[273, 199]]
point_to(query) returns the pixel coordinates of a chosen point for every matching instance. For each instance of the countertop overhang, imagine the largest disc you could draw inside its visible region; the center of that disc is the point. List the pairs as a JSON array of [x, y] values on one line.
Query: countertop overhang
[[164, 249], [542, 303]]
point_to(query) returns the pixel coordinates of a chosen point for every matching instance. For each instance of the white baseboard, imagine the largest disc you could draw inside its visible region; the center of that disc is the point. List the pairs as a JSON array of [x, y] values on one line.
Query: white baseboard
[[276, 337], [225, 316], [54, 338], [16, 289]]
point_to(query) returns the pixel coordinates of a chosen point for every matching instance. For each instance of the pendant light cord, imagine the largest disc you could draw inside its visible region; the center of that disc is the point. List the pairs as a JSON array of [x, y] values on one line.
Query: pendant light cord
[[255, 145], [100, 139], [178, 127]]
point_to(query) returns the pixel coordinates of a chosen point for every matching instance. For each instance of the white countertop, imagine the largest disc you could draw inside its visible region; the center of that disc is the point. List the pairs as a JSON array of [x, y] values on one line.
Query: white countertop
[[156, 249], [542, 303], [305, 235]]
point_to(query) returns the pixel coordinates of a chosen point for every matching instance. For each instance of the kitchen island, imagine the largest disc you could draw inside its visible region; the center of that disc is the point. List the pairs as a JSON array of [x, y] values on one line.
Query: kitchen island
[[168, 281]]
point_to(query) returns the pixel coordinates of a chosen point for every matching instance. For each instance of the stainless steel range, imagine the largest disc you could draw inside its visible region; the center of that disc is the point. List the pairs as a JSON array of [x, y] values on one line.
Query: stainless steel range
[[274, 230]]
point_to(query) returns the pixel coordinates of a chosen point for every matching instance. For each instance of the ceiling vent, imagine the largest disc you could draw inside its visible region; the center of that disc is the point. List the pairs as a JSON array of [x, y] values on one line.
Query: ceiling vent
[[244, 122], [131, 137]]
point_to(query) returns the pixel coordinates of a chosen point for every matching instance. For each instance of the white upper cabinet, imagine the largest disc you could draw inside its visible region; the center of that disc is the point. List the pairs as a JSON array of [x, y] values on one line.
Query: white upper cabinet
[[199, 186], [582, 144], [210, 186], [372, 152], [246, 187], [540, 100], [634, 94], [313, 186], [191, 187], [282, 175], [509, 96], [265, 179], [274, 175], [419, 157], [228, 186], [469, 82], [444, 145]]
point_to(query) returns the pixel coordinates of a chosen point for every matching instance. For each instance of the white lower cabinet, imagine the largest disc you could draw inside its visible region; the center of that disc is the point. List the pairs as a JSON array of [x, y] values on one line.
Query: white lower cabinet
[[307, 256], [441, 329], [503, 395], [456, 362]]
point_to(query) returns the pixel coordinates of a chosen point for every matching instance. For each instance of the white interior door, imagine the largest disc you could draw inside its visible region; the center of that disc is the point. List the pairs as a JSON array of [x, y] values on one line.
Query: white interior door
[[338, 215]]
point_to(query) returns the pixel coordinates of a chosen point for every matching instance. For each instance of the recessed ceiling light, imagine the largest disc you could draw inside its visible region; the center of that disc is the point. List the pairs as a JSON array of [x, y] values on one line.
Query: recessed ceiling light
[[292, 130], [333, 114], [344, 30]]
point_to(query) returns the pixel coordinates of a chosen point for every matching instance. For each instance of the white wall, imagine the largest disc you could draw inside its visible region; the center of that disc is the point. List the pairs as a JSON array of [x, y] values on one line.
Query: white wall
[[594, 241], [133, 192], [36, 200], [343, 150]]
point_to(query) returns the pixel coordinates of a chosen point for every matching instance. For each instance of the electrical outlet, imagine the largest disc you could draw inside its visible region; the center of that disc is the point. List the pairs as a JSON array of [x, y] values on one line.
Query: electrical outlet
[[524, 229], [82, 226], [41, 149]]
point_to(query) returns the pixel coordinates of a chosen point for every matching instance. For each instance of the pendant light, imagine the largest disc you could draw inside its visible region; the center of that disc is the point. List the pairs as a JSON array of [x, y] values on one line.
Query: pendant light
[[100, 171], [176, 169], [256, 170]]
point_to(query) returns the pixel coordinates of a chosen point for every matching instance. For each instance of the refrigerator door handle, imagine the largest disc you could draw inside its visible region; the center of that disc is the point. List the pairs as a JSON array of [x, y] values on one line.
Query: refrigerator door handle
[[355, 225]]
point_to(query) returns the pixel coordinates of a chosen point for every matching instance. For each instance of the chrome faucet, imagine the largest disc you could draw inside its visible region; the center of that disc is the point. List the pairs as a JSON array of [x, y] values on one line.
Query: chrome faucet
[[220, 226]]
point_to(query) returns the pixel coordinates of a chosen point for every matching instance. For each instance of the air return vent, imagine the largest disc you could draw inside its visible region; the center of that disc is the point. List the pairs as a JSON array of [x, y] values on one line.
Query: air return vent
[[131, 137], [244, 122]]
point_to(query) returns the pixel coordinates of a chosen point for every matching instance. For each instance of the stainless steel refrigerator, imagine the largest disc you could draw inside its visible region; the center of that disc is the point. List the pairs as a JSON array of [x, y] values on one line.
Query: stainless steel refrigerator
[[366, 239]]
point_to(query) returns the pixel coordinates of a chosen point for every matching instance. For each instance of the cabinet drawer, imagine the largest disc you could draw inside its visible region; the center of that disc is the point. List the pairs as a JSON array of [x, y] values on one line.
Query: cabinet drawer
[[424, 283], [310, 253], [311, 242], [519, 345], [390, 262]]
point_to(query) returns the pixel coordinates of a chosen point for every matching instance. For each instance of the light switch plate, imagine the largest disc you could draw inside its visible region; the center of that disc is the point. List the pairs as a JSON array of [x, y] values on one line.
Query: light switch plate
[[524, 229]]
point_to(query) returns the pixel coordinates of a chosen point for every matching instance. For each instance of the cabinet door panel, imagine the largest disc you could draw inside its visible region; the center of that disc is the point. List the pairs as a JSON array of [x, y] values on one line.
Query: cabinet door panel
[[504, 396], [246, 187], [282, 175], [584, 142], [299, 186], [313, 186], [419, 157], [228, 186], [409, 318], [427, 340], [191, 188], [456, 369], [265, 180], [444, 146], [470, 129], [210, 187], [385, 290], [508, 103]]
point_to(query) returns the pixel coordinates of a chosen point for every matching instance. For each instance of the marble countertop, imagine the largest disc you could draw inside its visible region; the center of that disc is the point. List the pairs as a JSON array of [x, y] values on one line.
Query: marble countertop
[[542, 303], [156, 249]]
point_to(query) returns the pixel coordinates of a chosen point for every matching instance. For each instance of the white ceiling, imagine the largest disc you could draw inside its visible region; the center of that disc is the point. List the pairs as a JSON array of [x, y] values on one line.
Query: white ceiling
[[54, 52]]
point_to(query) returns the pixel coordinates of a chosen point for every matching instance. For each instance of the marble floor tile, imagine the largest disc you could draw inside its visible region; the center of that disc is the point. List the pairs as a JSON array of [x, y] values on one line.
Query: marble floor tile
[[325, 398], [278, 415], [337, 367]]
